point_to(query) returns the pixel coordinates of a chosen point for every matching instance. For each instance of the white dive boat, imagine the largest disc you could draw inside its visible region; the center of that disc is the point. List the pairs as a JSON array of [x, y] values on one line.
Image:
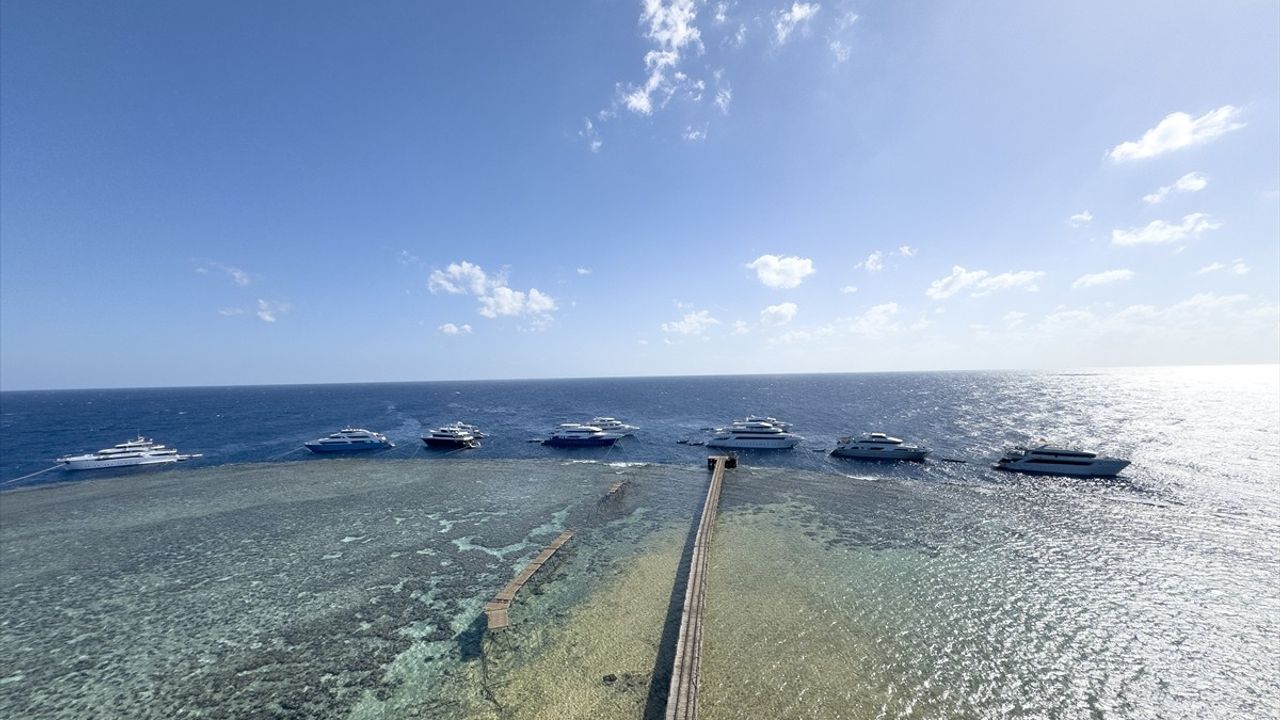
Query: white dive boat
[[754, 435], [141, 451], [350, 440], [1049, 460], [578, 435], [454, 436], [613, 426], [878, 446]]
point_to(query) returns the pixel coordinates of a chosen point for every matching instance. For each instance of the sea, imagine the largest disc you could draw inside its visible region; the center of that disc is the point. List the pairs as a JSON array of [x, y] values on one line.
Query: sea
[[262, 581]]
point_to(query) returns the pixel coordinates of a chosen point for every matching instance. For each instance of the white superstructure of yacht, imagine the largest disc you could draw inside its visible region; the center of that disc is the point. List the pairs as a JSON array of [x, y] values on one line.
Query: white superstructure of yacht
[[878, 446], [1050, 460], [350, 440], [613, 426], [762, 418], [754, 435], [141, 451]]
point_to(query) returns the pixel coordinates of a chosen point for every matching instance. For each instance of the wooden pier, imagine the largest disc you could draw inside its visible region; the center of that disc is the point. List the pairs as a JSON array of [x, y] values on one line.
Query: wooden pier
[[496, 609], [615, 489], [682, 698]]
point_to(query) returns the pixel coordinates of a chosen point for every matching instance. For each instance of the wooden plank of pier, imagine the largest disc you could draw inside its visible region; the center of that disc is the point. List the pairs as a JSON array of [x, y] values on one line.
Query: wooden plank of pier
[[496, 609], [615, 488], [682, 699]]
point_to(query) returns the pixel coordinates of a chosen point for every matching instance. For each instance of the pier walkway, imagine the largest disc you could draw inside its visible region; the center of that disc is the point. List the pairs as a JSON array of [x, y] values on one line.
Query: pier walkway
[[682, 698], [496, 609]]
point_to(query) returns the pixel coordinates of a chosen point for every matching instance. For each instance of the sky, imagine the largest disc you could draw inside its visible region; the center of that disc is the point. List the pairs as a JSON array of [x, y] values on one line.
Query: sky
[[298, 192]]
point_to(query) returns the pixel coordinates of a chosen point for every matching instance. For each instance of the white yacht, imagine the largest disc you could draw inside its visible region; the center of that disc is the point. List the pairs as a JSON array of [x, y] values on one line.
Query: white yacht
[[454, 436], [878, 446], [141, 451], [613, 426], [350, 440], [1049, 460], [579, 435], [754, 435]]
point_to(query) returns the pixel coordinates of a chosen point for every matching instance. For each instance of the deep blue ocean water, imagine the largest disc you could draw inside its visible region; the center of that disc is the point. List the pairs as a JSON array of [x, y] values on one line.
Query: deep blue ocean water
[[962, 415]]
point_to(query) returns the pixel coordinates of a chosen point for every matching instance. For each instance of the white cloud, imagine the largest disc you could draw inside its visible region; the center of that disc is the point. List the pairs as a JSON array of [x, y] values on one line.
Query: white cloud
[[1013, 319], [724, 96], [1159, 232], [451, 329], [778, 314], [907, 251], [670, 27], [1102, 278], [1025, 279], [459, 278], [840, 50], [496, 298], [1237, 266], [781, 272], [958, 280], [591, 135], [786, 21], [407, 258], [503, 301], [874, 262], [982, 282], [1176, 131], [229, 312], [584, 271], [740, 327], [238, 276], [270, 311], [722, 13], [1191, 182], [1080, 219], [849, 289], [876, 321], [695, 323], [692, 134]]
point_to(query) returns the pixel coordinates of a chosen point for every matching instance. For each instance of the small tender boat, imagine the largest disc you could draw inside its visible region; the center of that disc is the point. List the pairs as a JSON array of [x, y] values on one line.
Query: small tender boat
[[350, 440], [878, 446], [141, 451], [578, 435], [1050, 460], [453, 437], [755, 435]]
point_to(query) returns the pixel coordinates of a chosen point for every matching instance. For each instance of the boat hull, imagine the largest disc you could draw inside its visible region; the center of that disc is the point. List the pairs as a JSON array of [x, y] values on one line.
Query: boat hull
[[580, 442], [122, 462], [771, 444], [1098, 469], [881, 455], [448, 444], [334, 448]]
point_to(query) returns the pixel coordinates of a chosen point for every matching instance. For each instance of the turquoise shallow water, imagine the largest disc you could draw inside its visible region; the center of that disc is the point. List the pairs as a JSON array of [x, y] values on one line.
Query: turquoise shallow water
[[352, 587]]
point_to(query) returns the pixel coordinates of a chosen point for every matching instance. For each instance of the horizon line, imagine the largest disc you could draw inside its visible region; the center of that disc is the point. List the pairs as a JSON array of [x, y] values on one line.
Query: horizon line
[[636, 377]]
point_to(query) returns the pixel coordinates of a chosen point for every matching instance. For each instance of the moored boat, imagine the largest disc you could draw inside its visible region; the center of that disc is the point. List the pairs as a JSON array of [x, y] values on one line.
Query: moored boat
[[878, 446], [140, 451], [1050, 460], [754, 435], [578, 435], [452, 437], [350, 440]]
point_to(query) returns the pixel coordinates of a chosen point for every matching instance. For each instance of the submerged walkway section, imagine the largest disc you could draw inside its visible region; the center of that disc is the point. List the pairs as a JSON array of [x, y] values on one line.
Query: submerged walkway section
[[496, 609], [682, 699]]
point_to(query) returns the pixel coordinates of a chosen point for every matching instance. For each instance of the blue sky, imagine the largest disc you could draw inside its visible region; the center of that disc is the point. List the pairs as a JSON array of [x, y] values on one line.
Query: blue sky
[[319, 192]]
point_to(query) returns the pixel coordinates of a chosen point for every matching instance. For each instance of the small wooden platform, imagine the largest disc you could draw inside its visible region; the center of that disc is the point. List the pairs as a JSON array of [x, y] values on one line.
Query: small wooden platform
[[682, 699], [615, 489], [496, 609]]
